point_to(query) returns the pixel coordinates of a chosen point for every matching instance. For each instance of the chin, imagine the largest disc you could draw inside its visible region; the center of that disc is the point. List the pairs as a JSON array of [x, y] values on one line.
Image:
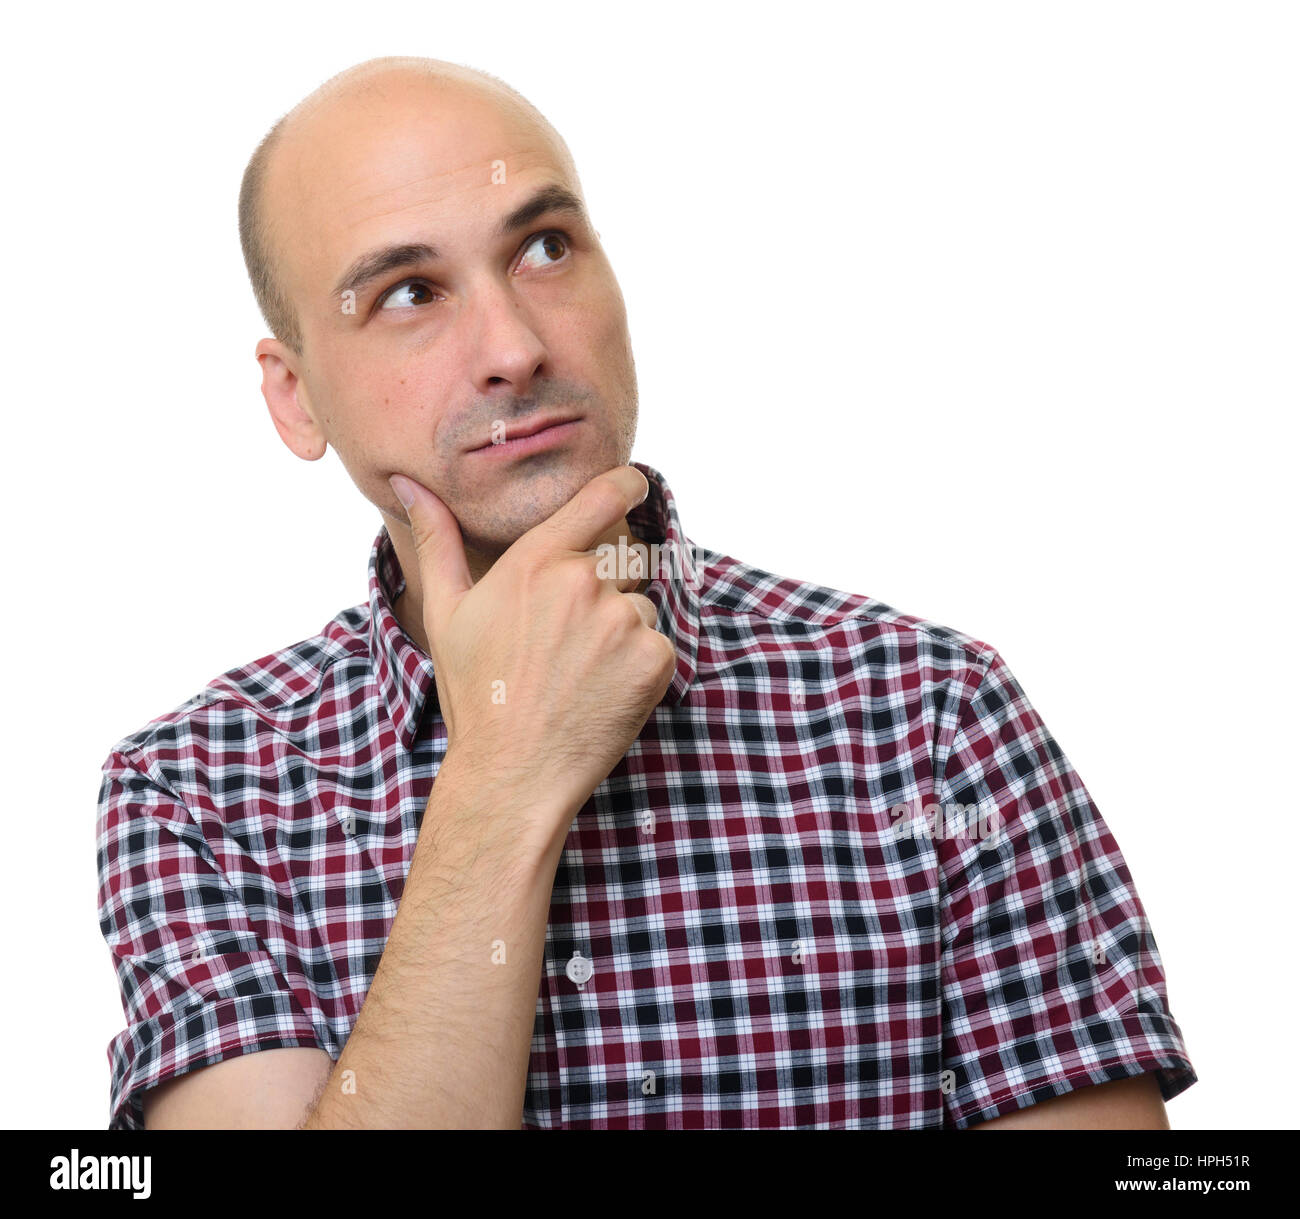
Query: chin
[[520, 497], [523, 503]]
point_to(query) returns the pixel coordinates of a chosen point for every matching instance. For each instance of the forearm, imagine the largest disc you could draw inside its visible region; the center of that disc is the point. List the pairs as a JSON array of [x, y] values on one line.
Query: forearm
[[443, 1037]]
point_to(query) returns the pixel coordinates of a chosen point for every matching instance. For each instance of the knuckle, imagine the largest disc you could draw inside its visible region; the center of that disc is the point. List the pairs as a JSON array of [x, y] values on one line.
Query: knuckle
[[583, 577], [629, 613], [645, 608], [667, 650], [661, 659], [572, 583]]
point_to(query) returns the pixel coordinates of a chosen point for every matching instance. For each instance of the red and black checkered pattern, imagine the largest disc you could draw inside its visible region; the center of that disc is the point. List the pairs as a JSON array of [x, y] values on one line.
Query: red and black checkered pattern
[[767, 948]]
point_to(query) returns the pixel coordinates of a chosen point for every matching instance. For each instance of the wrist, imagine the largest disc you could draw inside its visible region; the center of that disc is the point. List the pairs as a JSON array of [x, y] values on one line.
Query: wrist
[[505, 804]]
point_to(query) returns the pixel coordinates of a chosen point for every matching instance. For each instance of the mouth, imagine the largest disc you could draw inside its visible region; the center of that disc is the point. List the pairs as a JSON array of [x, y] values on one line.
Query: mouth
[[530, 436]]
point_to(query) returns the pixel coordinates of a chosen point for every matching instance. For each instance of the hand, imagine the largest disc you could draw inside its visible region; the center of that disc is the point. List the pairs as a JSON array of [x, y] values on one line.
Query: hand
[[546, 672]]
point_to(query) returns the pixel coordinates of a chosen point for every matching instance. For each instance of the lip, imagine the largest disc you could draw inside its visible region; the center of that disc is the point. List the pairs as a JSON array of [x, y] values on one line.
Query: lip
[[532, 437]]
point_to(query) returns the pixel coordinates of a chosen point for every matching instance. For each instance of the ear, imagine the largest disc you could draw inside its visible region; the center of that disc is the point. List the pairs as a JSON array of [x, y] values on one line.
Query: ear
[[286, 398]]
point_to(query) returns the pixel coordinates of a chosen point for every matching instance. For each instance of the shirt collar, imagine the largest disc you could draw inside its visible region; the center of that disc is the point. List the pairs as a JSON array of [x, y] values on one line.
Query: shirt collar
[[676, 584], [404, 673], [402, 669]]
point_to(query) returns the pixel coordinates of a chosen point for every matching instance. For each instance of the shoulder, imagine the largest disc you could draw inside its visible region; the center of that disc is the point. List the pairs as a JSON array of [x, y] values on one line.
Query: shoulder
[[265, 695], [740, 596]]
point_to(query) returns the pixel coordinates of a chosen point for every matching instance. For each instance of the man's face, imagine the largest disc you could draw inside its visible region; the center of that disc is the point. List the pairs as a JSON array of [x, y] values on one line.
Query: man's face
[[434, 358]]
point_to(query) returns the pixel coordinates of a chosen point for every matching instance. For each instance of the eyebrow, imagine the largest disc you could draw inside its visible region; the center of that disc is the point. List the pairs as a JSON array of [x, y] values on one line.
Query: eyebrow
[[386, 259]]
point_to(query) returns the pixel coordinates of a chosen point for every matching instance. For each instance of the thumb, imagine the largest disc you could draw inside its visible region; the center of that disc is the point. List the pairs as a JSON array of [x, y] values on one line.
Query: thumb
[[444, 571]]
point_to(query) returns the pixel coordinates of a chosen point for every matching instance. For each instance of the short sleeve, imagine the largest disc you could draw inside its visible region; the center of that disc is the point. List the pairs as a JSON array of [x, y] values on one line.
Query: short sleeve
[[197, 983], [1051, 978]]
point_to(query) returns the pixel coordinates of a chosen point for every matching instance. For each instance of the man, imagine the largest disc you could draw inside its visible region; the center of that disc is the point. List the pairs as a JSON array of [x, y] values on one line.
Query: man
[[542, 836]]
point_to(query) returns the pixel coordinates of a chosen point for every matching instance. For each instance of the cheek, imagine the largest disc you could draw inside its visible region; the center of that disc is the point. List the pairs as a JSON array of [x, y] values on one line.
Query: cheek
[[384, 402], [601, 332], [372, 418], [612, 312]]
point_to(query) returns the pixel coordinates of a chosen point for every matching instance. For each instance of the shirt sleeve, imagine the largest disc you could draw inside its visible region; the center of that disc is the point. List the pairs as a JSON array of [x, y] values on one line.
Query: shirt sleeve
[[197, 982], [1050, 974]]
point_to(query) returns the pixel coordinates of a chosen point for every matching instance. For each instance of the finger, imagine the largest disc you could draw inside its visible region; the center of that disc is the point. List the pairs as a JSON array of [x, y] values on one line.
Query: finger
[[606, 499], [444, 570]]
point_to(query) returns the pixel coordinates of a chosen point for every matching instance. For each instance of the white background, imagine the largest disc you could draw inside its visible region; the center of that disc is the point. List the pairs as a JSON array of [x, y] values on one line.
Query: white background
[[986, 310]]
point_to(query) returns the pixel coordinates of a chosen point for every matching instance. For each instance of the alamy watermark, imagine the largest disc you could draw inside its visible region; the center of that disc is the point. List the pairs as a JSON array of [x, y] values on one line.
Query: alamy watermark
[[75, 1171], [938, 822], [669, 560]]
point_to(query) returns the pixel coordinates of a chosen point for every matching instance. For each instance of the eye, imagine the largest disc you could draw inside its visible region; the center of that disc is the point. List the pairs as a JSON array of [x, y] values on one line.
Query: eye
[[553, 246], [408, 292]]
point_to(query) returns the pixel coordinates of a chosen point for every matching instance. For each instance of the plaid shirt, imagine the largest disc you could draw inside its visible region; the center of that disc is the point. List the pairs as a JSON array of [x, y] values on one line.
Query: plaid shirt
[[845, 877]]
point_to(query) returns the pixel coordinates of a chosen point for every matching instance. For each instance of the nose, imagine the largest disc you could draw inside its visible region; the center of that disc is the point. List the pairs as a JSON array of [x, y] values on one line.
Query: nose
[[505, 347]]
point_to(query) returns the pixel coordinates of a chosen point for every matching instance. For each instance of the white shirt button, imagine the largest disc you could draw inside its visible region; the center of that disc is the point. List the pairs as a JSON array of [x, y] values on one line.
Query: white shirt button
[[579, 969]]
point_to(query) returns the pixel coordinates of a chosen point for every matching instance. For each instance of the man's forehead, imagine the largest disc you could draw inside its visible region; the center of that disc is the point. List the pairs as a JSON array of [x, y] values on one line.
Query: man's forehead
[[360, 167]]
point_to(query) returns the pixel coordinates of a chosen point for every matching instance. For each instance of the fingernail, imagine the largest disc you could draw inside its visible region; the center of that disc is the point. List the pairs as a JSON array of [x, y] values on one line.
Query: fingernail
[[403, 489]]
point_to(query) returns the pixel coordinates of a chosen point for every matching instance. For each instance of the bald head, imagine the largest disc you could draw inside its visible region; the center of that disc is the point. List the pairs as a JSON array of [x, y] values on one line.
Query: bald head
[[292, 164]]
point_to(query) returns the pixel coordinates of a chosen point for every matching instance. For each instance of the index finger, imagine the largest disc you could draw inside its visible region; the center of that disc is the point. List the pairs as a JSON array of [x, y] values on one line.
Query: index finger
[[606, 499]]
